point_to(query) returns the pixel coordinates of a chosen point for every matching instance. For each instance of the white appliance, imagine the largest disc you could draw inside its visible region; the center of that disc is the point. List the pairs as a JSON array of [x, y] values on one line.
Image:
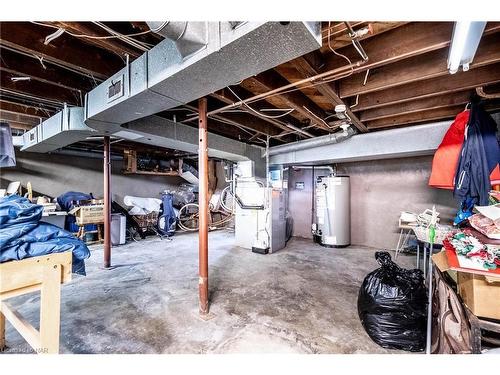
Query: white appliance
[[118, 229], [260, 215], [332, 226]]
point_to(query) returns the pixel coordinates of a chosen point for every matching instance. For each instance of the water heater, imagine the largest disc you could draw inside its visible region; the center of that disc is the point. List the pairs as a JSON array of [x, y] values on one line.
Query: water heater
[[332, 226]]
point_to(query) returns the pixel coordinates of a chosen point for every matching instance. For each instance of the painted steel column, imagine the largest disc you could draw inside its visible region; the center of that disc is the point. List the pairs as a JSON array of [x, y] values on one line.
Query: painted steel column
[[203, 203], [107, 203]]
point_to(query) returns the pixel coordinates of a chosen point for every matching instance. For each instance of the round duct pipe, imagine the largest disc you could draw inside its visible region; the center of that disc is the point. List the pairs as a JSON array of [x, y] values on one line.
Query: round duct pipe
[[188, 36], [314, 142]]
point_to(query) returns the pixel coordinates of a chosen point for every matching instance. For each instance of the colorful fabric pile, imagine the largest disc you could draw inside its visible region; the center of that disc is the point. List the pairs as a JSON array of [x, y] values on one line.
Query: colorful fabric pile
[[469, 247], [488, 227]]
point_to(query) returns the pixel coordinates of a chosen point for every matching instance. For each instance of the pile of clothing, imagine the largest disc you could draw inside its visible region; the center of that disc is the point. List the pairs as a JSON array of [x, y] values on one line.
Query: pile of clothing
[[23, 235], [490, 228], [469, 247]]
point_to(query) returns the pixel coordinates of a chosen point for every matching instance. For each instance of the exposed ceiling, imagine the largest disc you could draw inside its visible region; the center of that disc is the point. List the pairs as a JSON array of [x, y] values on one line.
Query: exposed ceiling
[[404, 82]]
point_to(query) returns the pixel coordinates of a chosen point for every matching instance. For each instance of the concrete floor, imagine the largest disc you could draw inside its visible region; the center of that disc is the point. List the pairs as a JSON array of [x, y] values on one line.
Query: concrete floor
[[301, 299]]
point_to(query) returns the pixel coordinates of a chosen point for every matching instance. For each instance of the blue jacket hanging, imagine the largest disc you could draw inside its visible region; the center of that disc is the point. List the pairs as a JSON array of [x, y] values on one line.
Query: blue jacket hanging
[[480, 155]]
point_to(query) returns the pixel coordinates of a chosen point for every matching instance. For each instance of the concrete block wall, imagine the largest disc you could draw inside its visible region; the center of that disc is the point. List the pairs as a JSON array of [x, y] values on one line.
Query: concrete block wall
[[380, 190]]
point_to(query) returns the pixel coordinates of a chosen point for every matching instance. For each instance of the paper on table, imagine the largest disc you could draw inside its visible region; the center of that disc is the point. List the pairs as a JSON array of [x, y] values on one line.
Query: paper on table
[[491, 212]]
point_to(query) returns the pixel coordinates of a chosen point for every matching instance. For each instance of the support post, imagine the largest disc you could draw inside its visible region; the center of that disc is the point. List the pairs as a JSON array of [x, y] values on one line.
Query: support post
[[203, 202], [107, 203]]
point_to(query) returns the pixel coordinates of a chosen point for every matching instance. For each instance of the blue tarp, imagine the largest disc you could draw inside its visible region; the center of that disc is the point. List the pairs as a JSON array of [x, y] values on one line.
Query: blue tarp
[[66, 203], [22, 235]]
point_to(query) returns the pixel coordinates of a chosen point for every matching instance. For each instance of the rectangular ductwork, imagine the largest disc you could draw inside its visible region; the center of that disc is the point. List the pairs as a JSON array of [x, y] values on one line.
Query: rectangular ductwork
[[201, 57], [62, 129]]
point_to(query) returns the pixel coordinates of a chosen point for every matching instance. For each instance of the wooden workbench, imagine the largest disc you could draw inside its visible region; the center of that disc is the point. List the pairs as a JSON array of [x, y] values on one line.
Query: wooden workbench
[[45, 274]]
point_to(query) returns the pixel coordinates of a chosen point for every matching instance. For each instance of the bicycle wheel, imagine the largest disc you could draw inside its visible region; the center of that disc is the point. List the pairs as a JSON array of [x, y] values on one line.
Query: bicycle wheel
[[188, 219]]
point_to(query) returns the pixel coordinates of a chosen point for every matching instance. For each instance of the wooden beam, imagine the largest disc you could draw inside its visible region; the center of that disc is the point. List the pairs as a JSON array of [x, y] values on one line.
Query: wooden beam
[[431, 87], [422, 117], [24, 66], [308, 70], [409, 40], [112, 45], [433, 64], [339, 35], [302, 105], [425, 104], [40, 89], [65, 51], [23, 109]]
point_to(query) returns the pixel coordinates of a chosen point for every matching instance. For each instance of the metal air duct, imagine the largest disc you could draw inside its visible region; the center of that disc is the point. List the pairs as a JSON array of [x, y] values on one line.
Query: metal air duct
[[197, 59], [62, 129]]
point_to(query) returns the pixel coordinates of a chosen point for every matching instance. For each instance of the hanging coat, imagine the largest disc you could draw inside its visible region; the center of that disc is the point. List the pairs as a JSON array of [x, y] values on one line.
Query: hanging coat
[[445, 161], [479, 157]]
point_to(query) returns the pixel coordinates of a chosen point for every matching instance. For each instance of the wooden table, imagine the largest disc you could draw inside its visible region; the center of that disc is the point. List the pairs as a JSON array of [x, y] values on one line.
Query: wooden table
[[45, 274]]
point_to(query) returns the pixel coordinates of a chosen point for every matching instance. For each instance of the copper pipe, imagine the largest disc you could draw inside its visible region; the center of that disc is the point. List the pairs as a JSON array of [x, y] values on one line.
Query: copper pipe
[[203, 203], [328, 75], [107, 203]]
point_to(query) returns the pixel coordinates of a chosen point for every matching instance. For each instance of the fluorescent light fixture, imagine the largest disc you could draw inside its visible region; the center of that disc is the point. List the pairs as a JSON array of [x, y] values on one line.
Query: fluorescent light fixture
[[466, 37]]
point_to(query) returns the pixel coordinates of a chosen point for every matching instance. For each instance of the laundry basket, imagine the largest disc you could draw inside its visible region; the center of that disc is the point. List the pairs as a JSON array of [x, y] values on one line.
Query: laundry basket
[[422, 233]]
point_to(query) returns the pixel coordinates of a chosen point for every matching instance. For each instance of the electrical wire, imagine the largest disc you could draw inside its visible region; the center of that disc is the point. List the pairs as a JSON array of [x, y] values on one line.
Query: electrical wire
[[288, 111], [323, 81], [103, 37]]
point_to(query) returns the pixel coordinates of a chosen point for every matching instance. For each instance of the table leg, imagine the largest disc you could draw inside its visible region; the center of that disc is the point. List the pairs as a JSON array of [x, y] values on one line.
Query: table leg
[[418, 255], [429, 308], [399, 243], [2, 331], [50, 309], [425, 260]]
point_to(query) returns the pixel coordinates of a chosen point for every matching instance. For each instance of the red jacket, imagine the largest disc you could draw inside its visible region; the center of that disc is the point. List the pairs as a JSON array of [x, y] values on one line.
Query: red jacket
[[444, 164]]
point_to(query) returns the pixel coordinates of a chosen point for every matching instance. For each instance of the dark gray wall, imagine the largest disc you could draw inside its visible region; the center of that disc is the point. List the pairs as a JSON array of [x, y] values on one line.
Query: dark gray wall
[[54, 174], [380, 190]]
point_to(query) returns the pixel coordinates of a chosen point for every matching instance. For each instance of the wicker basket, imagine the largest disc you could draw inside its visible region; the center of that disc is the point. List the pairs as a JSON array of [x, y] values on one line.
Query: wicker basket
[[422, 233], [146, 221]]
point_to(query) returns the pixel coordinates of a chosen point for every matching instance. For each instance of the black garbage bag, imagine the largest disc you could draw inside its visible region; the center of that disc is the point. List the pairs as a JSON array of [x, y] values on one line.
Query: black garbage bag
[[392, 306]]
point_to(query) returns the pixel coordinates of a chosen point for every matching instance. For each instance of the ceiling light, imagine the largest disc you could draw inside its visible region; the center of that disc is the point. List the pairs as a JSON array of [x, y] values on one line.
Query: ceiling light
[[464, 43]]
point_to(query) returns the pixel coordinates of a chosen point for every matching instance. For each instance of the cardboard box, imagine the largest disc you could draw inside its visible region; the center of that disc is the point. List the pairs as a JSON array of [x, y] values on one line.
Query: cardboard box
[[91, 214], [480, 293]]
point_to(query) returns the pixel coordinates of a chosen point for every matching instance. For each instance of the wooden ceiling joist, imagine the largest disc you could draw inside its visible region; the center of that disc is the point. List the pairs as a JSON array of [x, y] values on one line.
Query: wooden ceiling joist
[[17, 125], [227, 97], [431, 87], [295, 100], [431, 65], [308, 70], [25, 110], [112, 45], [19, 118], [65, 51], [40, 89], [339, 35], [426, 104], [423, 117], [409, 40], [24, 66]]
